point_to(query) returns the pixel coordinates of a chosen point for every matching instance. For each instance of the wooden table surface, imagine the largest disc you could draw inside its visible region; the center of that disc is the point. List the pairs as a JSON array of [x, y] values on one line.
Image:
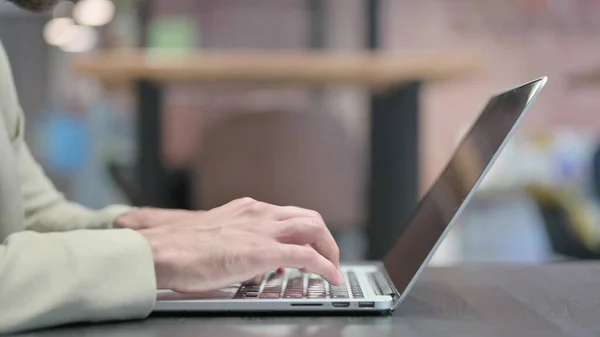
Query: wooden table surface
[[305, 68], [561, 299]]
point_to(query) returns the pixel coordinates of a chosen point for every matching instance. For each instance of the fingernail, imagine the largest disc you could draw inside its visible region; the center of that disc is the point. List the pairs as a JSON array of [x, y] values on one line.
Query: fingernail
[[340, 277]]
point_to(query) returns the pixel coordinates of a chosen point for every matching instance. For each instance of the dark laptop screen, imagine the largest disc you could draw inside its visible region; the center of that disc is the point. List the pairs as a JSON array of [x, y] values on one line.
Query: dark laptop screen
[[442, 202]]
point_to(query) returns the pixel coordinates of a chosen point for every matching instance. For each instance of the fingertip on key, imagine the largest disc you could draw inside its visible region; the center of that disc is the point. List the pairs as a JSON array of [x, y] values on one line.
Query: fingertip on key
[[340, 278]]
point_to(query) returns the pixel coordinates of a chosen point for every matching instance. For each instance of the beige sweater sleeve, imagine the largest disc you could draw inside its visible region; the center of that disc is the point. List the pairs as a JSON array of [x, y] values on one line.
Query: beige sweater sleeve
[[55, 278], [46, 210], [76, 273], [83, 270]]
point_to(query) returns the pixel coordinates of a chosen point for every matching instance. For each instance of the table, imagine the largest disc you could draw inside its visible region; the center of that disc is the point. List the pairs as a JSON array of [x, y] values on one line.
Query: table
[[393, 80], [561, 299]]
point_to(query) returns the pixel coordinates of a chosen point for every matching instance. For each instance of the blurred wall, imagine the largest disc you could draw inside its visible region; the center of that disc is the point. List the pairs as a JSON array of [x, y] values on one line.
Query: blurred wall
[[521, 40], [21, 36], [260, 25]]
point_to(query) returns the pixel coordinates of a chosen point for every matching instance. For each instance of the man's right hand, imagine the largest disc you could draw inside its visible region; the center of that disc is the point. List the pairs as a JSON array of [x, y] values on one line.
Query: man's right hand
[[235, 242]]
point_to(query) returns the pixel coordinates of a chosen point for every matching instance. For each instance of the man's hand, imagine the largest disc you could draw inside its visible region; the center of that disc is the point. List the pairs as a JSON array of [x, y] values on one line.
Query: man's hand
[[145, 218], [235, 242]]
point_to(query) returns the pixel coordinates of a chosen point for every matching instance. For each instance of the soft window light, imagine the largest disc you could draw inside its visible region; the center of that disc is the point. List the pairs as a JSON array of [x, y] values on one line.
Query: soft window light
[[59, 31], [94, 12], [85, 39]]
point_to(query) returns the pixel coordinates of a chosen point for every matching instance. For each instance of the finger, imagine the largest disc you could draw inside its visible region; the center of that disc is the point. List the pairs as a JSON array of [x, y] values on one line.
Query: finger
[[275, 212], [304, 257], [310, 231], [278, 213], [261, 209], [282, 213]]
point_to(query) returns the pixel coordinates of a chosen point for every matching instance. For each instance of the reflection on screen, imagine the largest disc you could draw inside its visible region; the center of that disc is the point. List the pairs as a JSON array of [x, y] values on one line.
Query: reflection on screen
[[439, 206]]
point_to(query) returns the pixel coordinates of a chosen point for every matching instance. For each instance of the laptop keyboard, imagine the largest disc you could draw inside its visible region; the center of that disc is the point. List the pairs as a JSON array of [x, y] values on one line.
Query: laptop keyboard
[[296, 285]]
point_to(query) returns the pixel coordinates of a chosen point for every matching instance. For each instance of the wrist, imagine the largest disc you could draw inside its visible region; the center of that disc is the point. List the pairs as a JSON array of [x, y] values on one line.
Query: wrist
[[133, 219], [162, 255]]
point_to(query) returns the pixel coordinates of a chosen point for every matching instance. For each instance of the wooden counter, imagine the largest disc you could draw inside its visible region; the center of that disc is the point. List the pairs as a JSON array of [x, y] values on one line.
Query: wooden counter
[[307, 68]]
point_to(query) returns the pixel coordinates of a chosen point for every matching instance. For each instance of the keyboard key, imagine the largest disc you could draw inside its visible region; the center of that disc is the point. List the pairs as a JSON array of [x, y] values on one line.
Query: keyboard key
[[295, 285], [272, 288], [355, 288], [275, 276], [339, 296], [270, 295], [241, 293], [293, 296]]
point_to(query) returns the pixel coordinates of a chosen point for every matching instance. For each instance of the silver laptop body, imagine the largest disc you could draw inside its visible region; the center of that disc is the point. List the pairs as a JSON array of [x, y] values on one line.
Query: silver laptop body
[[381, 286]]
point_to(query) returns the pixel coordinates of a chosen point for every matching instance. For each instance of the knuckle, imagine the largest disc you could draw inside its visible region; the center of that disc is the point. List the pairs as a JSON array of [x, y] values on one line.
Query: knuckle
[[246, 201], [309, 255], [255, 207], [251, 206], [316, 215], [317, 225], [284, 231], [296, 222]]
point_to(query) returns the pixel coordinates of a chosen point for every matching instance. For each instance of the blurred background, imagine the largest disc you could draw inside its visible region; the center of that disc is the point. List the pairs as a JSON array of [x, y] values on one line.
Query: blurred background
[[121, 110]]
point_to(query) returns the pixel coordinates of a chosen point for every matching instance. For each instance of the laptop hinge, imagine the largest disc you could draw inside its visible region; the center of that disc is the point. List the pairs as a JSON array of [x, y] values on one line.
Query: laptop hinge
[[382, 284]]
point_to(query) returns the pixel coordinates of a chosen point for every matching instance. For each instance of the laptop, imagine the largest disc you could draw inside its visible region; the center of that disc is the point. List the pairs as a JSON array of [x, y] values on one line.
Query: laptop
[[382, 285]]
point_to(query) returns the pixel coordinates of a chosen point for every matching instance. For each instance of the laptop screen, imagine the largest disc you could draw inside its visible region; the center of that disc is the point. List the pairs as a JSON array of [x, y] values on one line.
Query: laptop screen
[[442, 203]]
